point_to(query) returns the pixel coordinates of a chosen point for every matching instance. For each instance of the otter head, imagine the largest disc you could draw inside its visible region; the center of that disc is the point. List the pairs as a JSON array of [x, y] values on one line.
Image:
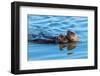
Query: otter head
[[62, 39], [72, 36]]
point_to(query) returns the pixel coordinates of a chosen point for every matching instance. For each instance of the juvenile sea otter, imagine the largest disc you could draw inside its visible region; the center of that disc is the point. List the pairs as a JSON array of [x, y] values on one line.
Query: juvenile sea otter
[[62, 39], [70, 37]]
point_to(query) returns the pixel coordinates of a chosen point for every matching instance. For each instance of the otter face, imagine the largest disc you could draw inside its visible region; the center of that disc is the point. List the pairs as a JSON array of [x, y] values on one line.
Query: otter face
[[62, 39], [72, 36]]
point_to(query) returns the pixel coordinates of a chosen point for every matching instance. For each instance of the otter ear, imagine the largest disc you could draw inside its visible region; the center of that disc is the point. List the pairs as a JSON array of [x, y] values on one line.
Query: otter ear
[[68, 31]]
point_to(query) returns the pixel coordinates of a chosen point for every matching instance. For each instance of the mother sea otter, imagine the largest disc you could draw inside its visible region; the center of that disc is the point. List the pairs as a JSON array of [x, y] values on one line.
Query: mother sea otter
[[70, 37]]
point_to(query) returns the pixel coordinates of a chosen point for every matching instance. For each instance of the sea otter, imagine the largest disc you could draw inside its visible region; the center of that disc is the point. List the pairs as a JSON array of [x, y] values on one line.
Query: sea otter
[[62, 39], [70, 37]]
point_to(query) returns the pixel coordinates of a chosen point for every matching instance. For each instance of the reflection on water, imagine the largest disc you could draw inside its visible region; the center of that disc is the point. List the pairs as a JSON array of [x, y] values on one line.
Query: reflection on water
[[57, 51], [69, 46]]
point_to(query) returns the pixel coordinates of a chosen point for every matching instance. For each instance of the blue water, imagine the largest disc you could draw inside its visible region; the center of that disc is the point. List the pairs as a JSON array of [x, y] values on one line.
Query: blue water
[[45, 27]]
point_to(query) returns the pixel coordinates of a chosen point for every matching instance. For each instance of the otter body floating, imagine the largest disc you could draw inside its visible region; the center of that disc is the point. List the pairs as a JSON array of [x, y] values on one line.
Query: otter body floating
[[70, 37]]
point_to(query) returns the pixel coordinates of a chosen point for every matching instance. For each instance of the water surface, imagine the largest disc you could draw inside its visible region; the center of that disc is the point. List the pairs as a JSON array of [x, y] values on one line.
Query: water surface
[[46, 27]]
